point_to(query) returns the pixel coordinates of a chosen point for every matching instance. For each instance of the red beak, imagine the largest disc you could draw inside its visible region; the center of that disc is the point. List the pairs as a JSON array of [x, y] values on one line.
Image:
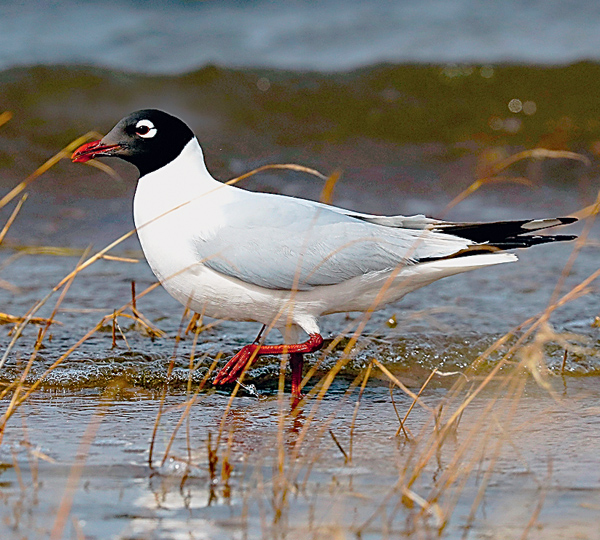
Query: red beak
[[91, 150]]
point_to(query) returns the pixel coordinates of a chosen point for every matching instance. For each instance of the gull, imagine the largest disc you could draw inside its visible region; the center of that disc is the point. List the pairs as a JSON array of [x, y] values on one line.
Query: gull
[[283, 261]]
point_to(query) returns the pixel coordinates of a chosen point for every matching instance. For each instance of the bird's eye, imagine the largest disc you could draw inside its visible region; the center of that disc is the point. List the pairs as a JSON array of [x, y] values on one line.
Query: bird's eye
[[145, 129]]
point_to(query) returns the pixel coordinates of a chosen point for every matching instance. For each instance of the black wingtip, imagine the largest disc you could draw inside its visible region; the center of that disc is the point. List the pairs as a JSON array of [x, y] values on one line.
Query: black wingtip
[[567, 220], [496, 232], [528, 241]]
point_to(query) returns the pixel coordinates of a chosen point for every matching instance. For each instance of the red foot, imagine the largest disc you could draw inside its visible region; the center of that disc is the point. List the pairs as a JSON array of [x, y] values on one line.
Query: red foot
[[233, 369]]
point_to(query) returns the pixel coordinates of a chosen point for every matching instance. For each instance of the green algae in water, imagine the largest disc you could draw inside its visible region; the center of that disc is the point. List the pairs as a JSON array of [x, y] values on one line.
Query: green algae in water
[[396, 103]]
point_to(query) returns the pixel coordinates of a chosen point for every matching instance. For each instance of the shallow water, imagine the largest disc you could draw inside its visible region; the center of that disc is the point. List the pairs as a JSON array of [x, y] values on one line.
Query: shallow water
[[548, 455], [408, 142]]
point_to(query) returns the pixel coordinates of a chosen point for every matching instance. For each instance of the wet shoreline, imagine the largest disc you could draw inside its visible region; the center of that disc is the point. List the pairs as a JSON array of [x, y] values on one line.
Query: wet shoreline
[[121, 497]]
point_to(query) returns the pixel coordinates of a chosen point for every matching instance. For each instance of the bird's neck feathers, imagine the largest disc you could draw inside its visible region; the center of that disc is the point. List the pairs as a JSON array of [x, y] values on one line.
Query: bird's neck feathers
[[184, 179], [189, 164], [186, 174]]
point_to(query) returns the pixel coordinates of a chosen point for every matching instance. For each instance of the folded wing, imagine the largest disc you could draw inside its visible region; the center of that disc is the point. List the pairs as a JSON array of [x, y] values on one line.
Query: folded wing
[[286, 243], [293, 244]]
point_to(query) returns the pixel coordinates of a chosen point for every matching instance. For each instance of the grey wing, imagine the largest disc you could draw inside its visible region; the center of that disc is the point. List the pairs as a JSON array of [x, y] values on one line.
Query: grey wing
[[285, 243], [419, 221]]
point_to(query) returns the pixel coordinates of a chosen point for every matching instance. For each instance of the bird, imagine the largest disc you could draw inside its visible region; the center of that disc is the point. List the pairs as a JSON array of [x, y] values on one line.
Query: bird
[[235, 254]]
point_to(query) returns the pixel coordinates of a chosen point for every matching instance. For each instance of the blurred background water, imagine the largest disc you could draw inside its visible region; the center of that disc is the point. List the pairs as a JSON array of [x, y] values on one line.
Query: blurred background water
[[159, 36]]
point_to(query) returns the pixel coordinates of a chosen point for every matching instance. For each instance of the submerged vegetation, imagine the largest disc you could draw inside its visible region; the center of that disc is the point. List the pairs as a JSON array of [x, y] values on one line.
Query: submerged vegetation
[[397, 437]]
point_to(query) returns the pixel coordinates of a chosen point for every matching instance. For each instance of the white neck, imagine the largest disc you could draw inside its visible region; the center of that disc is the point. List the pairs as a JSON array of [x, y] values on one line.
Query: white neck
[[183, 180]]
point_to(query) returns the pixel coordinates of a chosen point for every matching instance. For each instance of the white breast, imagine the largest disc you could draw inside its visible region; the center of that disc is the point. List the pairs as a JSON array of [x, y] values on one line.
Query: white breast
[[171, 205], [174, 207]]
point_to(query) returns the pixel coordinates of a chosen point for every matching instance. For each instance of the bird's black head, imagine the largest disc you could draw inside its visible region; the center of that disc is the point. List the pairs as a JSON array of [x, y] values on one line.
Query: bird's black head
[[149, 139]]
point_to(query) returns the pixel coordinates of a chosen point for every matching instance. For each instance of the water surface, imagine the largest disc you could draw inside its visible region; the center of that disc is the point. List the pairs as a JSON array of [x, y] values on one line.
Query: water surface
[[407, 139], [331, 35]]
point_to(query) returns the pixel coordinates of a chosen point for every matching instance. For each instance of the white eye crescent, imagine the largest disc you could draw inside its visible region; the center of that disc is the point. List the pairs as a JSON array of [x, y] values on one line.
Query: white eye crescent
[[145, 129]]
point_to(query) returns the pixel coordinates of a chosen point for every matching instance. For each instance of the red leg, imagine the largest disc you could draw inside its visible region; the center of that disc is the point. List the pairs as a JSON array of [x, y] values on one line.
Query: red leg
[[237, 364], [297, 363]]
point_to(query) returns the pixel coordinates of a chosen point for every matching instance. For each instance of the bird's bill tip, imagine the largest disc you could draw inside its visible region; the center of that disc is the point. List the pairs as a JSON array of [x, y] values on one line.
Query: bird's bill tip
[[92, 150]]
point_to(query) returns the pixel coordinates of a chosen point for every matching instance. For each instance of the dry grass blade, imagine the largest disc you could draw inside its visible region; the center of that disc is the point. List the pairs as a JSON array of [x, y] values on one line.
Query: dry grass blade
[[490, 174], [232, 396], [5, 117], [483, 182], [22, 250], [405, 389], [78, 528], [493, 458], [340, 448], [402, 428], [141, 320], [64, 153], [17, 468], [163, 394], [355, 413], [564, 363], [194, 319], [330, 183], [535, 153], [284, 166], [188, 408], [540, 504], [432, 509], [591, 210], [94, 258], [581, 241], [38, 454], [12, 218], [191, 398], [6, 285], [322, 427], [5, 318], [120, 259], [105, 169], [403, 421]]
